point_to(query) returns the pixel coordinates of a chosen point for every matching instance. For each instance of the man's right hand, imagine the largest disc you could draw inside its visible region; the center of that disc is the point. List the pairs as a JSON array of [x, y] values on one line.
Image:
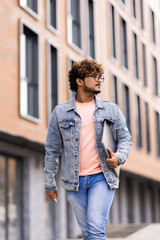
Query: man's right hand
[[53, 195]]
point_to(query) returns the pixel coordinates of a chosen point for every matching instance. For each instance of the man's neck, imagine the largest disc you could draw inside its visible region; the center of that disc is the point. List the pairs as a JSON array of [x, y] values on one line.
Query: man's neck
[[84, 98]]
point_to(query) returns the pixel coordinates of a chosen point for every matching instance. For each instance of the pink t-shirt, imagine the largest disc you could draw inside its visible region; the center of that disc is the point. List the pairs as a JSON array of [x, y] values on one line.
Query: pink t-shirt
[[89, 160]]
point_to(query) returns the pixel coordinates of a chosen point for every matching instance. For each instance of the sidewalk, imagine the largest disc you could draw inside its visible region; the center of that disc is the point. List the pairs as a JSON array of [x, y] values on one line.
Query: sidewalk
[[149, 232]]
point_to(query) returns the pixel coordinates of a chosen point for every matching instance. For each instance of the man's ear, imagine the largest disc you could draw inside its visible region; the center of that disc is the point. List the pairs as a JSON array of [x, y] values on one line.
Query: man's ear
[[79, 81]]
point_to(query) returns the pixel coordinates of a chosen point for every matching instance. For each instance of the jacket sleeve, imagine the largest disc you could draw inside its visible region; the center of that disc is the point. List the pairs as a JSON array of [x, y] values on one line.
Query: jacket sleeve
[[123, 137], [53, 147]]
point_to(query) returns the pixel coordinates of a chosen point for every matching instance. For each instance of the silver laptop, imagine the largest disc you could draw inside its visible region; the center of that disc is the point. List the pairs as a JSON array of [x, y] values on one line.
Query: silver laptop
[[109, 142]]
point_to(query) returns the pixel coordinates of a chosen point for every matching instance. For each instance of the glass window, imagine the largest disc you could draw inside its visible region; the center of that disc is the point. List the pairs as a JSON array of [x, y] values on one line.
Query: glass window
[[153, 27], [139, 124], [124, 52], [91, 29], [134, 8], [130, 199], [114, 89], [74, 24], [155, 77], [29, 95], [54, 81], [32, 4], [70, 93], [136, 73], [142, 14], [112, 28], [127, 106], [158, 133], [142, 202], [147, 127], [10, 198], [2, 198], [144, 65], [53, 13]]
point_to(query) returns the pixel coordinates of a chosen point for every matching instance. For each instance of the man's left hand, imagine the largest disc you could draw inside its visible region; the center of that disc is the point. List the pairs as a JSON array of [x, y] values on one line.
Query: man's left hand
[[113, 161]]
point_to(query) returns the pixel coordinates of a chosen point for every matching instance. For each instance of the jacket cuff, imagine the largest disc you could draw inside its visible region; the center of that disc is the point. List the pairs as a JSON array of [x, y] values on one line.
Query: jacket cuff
[[49, 187], [121, 158]]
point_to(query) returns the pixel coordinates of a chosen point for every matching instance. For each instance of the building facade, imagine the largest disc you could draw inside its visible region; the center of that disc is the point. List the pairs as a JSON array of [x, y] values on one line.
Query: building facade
[[39, 42]]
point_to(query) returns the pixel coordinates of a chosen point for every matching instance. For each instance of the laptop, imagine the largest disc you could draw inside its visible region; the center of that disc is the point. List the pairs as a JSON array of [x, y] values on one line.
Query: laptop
[[109, 142]]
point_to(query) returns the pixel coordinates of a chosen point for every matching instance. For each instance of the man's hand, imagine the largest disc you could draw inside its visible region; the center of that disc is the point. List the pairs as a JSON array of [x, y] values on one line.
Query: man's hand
[[53, 195], [112, 162]]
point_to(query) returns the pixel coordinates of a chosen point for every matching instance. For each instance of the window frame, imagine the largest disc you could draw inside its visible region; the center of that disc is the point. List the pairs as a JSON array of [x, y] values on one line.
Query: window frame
[[30, 11], [69, 28], [155, 76], [153, 26], [49, 26], [23, 23], [7, 158], [124, 57], [70, 59], [49, 92], [113, 49], [127, 105], [135, 55], [88, 30], [139, 134]]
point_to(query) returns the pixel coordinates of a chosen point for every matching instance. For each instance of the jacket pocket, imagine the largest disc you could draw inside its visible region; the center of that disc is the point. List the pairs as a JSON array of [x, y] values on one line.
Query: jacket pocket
[[67, 129]]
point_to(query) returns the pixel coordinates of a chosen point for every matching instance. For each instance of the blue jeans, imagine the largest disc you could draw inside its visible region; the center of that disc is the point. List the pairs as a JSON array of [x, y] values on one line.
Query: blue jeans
[[91, 205]]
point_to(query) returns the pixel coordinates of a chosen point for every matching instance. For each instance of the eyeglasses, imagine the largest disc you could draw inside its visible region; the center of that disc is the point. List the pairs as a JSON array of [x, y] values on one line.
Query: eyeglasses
[[97, 77]]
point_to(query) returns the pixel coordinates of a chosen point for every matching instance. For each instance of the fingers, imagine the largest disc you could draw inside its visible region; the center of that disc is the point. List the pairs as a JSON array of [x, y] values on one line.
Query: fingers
[[112, 162], [53, 195]]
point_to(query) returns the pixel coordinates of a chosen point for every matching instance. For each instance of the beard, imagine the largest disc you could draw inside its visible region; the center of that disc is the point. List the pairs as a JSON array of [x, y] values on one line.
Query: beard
[[90, 90]]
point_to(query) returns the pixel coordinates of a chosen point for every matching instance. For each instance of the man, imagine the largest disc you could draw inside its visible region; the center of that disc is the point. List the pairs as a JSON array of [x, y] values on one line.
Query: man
[[75, 132]]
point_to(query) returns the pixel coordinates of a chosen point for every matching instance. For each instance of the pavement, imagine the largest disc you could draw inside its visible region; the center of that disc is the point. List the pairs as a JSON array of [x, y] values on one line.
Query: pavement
[[149, 232]]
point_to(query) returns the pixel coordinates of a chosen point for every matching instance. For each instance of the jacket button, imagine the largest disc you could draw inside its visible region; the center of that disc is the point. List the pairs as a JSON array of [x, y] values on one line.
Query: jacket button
[[75, 171], [75, 156], [76, 139]]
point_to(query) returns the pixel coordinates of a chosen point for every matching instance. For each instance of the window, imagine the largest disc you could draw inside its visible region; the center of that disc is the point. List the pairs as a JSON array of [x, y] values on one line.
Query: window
[[127, 107], [70, 64], [152, 203], [91, 29], [142, 202], [158, 133], [52, 78], [124, 44], [32, 4], [155, 77], [144, 65], [153, 27], [134, 8], [142, 14], [147, 127], [74, 25], [53, 13], [10, 198], [114, 89], [29, 94], [130, 199], [112, 29], [135, 56], [139, 124], [123, 1]]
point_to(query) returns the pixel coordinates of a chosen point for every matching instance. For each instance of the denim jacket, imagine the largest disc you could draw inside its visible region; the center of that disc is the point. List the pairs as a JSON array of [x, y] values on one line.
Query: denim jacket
[[63, 139]]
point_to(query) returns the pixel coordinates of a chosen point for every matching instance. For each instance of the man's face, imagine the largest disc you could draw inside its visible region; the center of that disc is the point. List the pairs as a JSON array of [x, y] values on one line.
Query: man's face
[[92, 84]]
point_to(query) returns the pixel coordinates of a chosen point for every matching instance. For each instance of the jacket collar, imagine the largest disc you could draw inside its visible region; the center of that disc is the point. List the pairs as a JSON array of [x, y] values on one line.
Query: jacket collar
[[72, 103]]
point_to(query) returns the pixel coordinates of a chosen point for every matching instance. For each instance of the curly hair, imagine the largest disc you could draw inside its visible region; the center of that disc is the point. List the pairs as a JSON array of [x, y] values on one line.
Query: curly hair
[[82, 69]]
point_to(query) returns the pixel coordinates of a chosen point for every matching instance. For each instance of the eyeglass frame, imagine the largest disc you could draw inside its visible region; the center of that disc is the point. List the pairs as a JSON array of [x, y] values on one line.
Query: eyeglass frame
[[95, 75]]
